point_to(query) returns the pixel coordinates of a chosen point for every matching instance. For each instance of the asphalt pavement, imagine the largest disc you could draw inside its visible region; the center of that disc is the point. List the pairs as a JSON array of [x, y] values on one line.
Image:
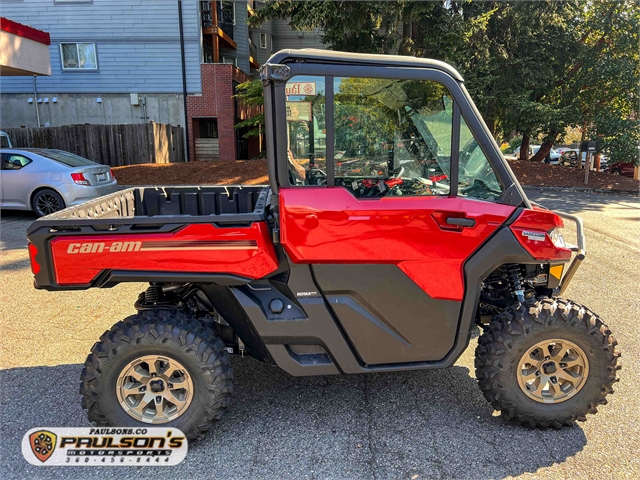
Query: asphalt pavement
[[411, 425]]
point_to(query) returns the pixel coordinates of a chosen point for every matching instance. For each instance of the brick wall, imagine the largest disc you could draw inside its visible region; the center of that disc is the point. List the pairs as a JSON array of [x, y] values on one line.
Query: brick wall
[[216, 101]]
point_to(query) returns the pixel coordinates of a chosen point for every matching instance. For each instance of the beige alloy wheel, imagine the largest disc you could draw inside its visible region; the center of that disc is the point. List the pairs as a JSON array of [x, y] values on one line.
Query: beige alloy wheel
[[154, 389], [553, 371]]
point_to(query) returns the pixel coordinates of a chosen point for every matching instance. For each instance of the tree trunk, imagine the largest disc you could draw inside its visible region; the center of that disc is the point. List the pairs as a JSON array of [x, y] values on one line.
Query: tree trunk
[[491, 123], [524, 147], [545, 148]]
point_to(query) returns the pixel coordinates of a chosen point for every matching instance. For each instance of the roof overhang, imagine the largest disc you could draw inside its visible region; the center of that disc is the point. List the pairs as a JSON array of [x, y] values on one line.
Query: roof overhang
[[24, 50]]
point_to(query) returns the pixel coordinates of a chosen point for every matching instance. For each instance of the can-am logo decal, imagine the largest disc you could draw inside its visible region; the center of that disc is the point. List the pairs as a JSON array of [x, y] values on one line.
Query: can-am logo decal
[[115, 247], [150, 446], [535, 236], [98, 247]]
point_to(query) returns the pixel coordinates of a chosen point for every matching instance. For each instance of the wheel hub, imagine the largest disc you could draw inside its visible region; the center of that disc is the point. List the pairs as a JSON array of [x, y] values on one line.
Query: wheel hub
[[157, 386], [553, 371], [549, 368], [154, 389]]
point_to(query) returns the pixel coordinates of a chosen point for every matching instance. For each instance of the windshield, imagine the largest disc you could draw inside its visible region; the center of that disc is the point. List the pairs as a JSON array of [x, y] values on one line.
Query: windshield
[[66, 158]]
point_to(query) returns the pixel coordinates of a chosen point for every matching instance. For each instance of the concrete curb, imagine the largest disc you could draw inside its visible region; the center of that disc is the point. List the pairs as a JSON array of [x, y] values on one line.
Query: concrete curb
[[581, 190]]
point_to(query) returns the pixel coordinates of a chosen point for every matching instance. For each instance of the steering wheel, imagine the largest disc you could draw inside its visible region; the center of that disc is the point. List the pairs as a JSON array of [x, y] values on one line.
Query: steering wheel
[[399, 174]]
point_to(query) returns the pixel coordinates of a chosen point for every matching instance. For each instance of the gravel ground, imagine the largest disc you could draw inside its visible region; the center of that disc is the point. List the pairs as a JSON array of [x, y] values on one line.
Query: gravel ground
[[254, 172], [413, 425]]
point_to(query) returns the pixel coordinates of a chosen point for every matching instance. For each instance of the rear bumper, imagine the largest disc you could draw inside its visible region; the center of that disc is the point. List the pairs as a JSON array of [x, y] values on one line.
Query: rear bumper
[[77, 194]]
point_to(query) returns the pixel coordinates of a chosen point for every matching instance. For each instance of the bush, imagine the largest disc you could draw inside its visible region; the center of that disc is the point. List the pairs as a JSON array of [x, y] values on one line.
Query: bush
[[514, 143]]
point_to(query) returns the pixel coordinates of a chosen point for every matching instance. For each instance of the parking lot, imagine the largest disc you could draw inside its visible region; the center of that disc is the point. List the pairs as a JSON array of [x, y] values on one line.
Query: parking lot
[[413, 425]]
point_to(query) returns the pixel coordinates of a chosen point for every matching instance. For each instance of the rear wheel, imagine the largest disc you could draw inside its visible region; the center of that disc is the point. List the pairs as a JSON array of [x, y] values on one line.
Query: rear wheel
[[46, 202], [547, 364], [158, 368], [616, 171]]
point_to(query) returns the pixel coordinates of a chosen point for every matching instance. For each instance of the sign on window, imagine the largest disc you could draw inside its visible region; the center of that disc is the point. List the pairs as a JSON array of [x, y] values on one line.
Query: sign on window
[[301, 88], [298, 111]]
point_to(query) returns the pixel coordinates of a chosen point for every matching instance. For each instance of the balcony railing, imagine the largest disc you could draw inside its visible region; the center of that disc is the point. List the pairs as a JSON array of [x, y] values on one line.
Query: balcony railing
[[206, 14], [225, 21], [253, 51]]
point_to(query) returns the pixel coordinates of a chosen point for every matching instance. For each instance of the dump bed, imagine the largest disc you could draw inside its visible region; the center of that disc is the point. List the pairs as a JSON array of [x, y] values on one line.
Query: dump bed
[[206, 234]]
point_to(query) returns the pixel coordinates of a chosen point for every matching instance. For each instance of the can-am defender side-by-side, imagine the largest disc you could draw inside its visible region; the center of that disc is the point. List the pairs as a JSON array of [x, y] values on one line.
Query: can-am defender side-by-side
[[391, 226]]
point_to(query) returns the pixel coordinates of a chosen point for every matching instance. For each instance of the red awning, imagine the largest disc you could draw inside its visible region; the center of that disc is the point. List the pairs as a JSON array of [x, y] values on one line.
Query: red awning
[[24, 31]]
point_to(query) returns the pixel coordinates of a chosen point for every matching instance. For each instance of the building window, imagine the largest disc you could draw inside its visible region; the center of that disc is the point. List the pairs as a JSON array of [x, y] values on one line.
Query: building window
[[263, 40], [208, 128], [230, 60], [79, 56]]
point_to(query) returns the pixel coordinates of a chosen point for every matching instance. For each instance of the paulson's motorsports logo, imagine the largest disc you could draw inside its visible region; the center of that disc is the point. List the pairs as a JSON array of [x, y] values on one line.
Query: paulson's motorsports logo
[[43, 443], [104, 446]]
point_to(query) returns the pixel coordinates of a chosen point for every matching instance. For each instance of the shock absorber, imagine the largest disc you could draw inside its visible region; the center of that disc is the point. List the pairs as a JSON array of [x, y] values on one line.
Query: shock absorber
[[515, 275]]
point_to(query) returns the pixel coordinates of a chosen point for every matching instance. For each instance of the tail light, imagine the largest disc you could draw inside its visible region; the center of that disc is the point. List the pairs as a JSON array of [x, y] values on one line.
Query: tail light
[[111, 173], [33, 251], [557, 238], [540, 233], [79, 179]]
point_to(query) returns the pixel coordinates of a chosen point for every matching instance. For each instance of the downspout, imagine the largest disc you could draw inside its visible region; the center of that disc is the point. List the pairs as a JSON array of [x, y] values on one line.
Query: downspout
[[184, 79], [35, 100]]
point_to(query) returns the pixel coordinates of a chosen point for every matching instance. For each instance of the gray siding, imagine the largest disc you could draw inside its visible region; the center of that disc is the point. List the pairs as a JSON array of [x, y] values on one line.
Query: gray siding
[[137, 43], [263, 53], [284, 37]]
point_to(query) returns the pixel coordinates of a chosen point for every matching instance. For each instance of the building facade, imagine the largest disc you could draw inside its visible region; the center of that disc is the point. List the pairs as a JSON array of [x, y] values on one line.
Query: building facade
[[120, 61]]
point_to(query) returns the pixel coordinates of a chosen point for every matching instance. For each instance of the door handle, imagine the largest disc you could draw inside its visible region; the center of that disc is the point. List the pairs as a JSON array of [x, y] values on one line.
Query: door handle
[[461, 222]]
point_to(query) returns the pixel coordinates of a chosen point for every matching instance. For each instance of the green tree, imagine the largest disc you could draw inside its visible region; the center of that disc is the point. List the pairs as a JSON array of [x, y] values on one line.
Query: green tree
[[531, 67], [250, 94]]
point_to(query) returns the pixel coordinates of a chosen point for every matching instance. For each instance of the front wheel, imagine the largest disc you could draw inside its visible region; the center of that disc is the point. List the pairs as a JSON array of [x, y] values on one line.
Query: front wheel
[[158, 368], [616, 171], [547, 364]]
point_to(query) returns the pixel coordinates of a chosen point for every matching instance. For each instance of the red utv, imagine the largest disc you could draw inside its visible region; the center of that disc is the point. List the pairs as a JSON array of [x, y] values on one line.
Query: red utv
[[384, 267]]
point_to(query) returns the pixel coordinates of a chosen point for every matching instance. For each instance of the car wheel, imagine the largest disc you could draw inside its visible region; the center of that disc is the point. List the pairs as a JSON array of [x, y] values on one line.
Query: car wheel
[[547, 363], [46, 202], [616, 171], [158, 368]]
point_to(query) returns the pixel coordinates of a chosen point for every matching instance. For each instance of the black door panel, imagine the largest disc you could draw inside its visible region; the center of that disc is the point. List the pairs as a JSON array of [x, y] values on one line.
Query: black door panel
[[388, 318]]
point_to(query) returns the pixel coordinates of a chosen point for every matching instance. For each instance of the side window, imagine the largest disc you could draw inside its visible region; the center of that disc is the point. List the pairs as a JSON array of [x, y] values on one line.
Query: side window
[[306, 131], [476, 178], [12, 161], [392, 137]]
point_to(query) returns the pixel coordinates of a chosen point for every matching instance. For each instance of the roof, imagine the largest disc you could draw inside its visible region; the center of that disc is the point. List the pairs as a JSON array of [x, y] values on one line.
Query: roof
[[313, 55], [24, 31]]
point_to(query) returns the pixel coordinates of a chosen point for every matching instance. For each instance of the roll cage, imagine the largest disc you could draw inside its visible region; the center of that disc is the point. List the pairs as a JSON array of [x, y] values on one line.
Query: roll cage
[[287, 64]]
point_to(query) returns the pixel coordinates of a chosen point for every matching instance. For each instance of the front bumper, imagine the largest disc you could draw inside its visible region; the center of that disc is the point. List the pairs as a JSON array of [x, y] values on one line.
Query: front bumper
[[580, 250]]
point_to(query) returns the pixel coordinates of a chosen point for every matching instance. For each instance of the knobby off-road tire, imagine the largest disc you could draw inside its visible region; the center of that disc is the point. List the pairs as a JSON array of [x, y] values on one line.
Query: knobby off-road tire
[[198, 356], [516, 332]]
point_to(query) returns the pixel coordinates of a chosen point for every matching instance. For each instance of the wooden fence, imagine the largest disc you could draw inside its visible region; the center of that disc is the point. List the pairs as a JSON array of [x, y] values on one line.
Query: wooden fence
[[113, 145]]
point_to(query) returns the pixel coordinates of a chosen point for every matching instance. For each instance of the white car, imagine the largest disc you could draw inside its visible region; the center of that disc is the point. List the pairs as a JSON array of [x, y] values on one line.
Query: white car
[[5, 141], [48, 180]]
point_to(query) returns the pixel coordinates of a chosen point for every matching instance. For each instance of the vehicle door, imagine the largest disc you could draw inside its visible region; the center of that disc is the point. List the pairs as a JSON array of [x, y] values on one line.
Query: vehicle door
[[388, 210], [15, 179]]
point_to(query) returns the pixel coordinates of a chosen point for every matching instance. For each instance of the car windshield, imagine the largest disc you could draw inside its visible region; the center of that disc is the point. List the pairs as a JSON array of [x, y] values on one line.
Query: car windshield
[[66, 158]]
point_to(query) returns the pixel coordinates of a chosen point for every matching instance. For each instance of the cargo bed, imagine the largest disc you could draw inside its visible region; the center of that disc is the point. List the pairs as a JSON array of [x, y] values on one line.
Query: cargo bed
[[166, 234]]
